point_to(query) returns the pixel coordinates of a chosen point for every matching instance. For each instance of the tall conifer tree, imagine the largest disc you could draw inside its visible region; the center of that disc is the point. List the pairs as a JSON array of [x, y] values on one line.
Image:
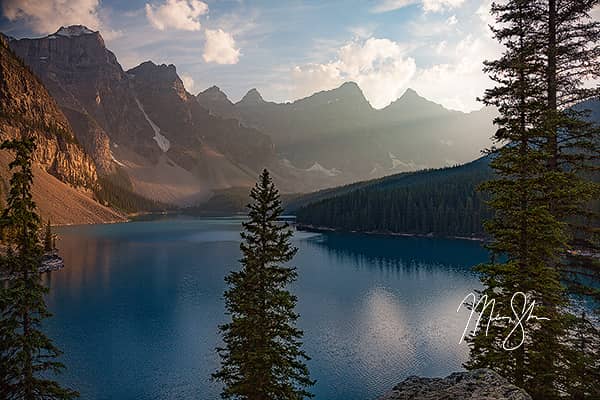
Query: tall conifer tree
[[27, 355], [262, 357], [546, 150]]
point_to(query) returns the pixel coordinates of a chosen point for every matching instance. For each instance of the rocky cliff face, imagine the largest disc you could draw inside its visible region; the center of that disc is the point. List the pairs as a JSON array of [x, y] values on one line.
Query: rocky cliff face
[[188, 126], [481, 384], [64, 175], [142, 124], [93, 90], [27, 108]]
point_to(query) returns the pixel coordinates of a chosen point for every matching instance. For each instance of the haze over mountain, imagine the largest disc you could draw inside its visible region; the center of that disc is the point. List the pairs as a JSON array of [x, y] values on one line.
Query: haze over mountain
[[142, 128], [339, 133], [147, 134]]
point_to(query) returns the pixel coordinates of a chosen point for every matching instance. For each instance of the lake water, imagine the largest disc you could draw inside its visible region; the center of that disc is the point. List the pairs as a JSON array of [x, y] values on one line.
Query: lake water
[[138, 305]]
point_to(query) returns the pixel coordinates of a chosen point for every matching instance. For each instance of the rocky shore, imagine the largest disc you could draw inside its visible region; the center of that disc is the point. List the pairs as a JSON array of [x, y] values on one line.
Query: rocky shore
[[51, 261], [479, 384]]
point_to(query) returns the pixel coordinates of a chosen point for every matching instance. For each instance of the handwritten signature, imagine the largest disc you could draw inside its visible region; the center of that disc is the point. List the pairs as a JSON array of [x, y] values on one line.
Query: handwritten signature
[[521, 316]]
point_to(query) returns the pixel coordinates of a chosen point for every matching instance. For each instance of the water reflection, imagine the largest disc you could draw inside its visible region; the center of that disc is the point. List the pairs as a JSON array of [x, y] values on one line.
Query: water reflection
[[138, 305]]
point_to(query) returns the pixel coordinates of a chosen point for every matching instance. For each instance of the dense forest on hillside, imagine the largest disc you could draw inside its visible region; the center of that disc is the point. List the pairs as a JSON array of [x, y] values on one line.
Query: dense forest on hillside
[[442, 202], [117, 192]]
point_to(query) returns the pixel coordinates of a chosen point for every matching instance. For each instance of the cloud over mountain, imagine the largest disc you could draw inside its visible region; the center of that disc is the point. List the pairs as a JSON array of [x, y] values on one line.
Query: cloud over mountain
[[220, 47], [380, 67], [46, 16], [176, 14]]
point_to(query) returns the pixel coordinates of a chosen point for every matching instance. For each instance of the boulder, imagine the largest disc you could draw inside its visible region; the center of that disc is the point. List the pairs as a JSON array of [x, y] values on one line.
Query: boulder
[[479, 384]]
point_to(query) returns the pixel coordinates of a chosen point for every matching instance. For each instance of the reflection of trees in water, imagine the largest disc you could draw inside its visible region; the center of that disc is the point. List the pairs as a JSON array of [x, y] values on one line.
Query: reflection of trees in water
[[85, 259], [401, 254]]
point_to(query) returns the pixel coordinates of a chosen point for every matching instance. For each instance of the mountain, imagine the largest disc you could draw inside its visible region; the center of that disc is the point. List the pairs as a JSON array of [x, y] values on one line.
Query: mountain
[[441, 202], [218, 150], [65, 177], [143, 130], [339, 135]]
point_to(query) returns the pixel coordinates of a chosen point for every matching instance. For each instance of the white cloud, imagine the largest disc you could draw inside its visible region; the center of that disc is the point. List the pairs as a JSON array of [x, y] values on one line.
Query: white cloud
[[47, 16], [390, 5], [188, 83], [311, 78], [427, 5], [440, 5], [176, 14], [384, 69], [441, 46], [457, 83], [220, 47], [379, 66], [452, 20]]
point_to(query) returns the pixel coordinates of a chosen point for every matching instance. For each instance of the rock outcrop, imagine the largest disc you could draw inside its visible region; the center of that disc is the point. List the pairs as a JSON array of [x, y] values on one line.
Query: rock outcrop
[[64, 175], [143, 125], [26, 107], [480, 384], [91, 87]]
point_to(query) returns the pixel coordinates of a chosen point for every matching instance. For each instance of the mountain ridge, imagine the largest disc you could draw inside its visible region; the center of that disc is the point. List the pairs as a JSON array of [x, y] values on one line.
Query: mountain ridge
[[174, 150], [339, 130]]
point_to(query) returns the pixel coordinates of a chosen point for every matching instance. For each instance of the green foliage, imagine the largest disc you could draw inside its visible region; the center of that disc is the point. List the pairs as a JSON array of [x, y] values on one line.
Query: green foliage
[[443, 202], [541, 188], [48, 238], [116, 191], [262, 357], [27, 356], [222, 202]]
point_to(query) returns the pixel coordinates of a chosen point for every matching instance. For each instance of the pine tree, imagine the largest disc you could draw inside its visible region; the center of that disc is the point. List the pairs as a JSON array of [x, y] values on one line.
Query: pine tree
[[523, 228], [543, 188], [27, 355], [262, 357], [571, 55], [48, 238]]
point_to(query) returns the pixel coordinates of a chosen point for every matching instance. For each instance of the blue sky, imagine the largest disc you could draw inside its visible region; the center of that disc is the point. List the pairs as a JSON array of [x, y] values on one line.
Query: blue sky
[[289, 49]]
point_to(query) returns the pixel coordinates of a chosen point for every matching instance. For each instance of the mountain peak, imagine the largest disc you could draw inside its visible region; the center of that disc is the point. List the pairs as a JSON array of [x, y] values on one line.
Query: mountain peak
[[213, 93], [349, 89], [74, 30], [163, 77], [162, 71], [252, 97], [350, 85], [411, 94]]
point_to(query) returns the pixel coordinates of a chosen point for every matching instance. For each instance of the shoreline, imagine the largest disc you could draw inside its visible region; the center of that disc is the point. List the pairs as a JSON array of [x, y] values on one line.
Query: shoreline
[[51, 261], [326, 229]]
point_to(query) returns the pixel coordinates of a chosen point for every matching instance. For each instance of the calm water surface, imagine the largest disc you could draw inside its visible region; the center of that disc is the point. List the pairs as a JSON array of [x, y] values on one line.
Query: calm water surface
[[138, 305]]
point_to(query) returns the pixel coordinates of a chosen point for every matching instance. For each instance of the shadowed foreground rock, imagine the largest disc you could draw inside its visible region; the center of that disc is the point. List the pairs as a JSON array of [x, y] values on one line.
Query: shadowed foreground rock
[[480, 384]]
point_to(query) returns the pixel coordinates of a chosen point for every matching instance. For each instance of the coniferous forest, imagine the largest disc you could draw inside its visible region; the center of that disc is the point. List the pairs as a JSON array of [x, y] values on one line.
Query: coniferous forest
[[442, 202]]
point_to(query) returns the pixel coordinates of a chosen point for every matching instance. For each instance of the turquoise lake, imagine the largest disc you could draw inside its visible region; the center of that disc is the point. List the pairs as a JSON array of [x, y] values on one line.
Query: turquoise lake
[[138, 304]]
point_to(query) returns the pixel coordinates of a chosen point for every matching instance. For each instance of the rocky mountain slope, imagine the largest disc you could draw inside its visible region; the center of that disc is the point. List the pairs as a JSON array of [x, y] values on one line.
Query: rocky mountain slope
[[339, 134], [147, 134], [141, 126], [65, 176]]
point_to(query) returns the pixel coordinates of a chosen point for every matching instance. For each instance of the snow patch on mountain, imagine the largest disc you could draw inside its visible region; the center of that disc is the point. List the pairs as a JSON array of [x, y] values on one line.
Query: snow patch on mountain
[[161, 141], [115, 160], [73, 30], [316, 167], [405, 165]]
